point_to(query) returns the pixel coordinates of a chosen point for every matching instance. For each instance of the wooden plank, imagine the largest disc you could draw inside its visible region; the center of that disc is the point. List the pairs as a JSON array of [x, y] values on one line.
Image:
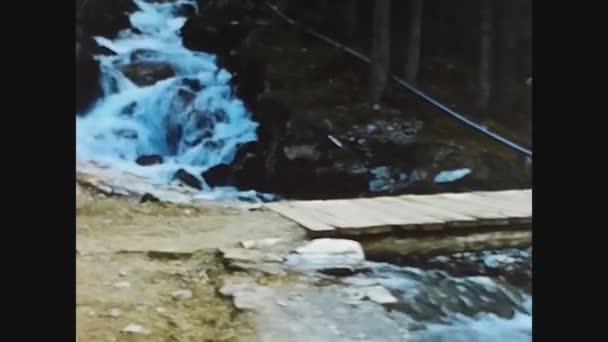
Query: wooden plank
[[483, 214], [316, 209], [384, 214], [452, 219], [402, 218], [409, 217], [507, 208], [303, 218], [347, 214]]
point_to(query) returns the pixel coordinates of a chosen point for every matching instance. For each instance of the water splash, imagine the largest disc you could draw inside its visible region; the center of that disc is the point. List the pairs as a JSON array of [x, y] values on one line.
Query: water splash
[[192, 119], [441, 308]]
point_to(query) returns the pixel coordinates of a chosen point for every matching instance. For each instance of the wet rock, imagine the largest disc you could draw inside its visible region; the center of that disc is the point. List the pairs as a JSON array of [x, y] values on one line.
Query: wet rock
[[212, 32], [148, 198], [147, 73], [337, 256], [497, 261], [185, 10], [88, 73], [451, 175], [219, 175], [188, 179], [418, 176], [380, 295], [331, 247], [248, 76], [147, 160], [104, 17], [380, 179]]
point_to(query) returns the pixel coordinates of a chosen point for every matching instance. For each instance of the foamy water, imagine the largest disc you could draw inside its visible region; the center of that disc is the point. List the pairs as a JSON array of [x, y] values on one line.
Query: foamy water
[[442, 308], [196, 107]]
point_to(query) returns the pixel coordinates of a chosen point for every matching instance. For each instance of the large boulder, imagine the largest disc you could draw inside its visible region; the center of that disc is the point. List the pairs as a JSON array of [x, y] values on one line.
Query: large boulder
[[88, 73], [213, 36], [248, 76], [104, 17], [147, 73]]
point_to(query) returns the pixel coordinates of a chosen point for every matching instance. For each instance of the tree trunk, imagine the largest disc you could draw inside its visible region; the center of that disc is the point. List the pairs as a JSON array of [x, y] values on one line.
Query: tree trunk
[[485, 58], [380, 51], [350, 18], [505, 57], [414, 42]]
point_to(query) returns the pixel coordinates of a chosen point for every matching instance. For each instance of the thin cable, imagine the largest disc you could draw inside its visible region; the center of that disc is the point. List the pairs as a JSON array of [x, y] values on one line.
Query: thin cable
[[411, 88]]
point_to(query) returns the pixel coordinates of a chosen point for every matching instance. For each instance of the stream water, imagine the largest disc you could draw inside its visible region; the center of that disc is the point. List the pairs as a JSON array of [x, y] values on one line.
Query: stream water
[[192, 120]]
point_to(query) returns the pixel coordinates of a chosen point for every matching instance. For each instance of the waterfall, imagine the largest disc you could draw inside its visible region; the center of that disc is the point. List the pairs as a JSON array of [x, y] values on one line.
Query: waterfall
[[192, 119]]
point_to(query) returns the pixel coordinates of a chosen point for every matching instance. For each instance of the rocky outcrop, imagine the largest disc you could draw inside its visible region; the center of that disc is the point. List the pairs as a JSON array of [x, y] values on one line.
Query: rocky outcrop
[[104, 17], [216, 31], [88, 86], [188, 179], [147, 73], [257, 165], [147, 160]]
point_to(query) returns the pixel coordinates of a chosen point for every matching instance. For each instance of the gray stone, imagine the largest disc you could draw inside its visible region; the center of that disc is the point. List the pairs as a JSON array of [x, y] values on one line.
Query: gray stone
[[329, 254], [497, 261], [381, 172], [181, 294], [248, 255], [122, 285], [378, 185], [134, 329], [249, 244], [147, 73], [380, 295], [115, 313], [418, 176]]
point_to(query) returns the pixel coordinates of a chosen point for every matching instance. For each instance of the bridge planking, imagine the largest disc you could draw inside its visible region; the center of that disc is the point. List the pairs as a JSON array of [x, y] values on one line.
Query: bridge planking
[[364, 216]]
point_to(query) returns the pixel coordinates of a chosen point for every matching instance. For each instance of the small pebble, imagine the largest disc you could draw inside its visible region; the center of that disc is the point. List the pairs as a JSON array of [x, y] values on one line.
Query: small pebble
[[122, 285], [161, 310], [134, 329], [187, 211], [182, 294], [115, 313], [281, 303], [122, 273]]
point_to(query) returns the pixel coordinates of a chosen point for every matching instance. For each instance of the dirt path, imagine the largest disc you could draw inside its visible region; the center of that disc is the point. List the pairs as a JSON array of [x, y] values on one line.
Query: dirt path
[[155, 268]]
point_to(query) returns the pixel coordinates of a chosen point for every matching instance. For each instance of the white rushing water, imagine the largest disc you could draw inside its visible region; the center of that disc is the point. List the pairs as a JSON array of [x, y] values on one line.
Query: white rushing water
[[441, 308], [192, 119]]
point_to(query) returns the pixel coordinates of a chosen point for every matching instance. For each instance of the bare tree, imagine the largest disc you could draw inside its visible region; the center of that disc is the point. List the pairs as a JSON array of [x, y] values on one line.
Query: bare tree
[[485, 58], [414, 42], [380, 51], [504, 86], [350, 18]]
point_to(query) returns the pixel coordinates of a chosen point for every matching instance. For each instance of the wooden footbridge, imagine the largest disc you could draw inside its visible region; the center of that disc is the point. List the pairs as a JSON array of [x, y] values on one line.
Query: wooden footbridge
[[379, 215]]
